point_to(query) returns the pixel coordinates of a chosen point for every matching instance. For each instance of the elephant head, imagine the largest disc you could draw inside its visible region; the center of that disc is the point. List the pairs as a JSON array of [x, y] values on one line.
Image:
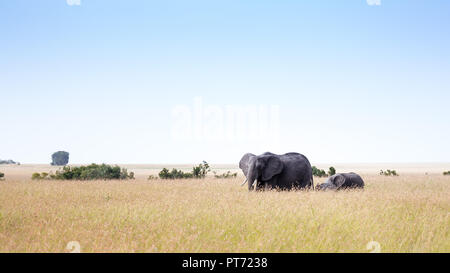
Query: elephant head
[[260, 168], [325, 186], [333, 183]]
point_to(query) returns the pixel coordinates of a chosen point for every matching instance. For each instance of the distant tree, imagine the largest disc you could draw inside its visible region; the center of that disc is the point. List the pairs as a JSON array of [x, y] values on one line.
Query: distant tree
[[2, 176], [447, 173], [9, 162], [60, 158]]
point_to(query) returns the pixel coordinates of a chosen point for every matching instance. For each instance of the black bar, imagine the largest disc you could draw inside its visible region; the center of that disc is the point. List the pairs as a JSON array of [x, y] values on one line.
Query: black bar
[[226, 262]]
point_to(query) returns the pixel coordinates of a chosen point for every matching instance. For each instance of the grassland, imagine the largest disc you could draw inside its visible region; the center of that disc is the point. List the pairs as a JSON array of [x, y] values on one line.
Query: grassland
[[409, 213]]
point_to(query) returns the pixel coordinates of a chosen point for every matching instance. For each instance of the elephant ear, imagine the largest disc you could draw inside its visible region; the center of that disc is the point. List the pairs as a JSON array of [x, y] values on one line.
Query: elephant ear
[[243, 164], [273, 167], [338, 181]]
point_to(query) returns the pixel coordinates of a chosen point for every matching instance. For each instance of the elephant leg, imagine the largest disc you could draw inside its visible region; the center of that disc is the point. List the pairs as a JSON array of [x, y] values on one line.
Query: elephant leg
[[259, 186]]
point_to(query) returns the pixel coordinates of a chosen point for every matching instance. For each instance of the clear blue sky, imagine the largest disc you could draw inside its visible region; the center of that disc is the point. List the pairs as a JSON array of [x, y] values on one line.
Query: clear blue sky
[[353, 82]]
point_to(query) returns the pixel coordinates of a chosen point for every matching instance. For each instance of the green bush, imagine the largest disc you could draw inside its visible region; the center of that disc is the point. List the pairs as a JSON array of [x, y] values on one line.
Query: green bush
[[225, 175], [174, 174], [199, 171], [389, 173], [331, 171], [36, 176], [318, 172], [447, 173], [152, 177], [164, 174], [90, 172], [42, 176], [2, 176]]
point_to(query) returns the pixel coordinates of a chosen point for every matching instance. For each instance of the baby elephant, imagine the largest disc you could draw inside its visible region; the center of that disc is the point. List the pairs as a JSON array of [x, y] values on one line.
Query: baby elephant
[[342, 181]]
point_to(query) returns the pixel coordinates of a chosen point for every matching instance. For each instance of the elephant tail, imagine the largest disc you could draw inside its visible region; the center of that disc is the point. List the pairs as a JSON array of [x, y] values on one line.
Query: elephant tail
[[312, 182]]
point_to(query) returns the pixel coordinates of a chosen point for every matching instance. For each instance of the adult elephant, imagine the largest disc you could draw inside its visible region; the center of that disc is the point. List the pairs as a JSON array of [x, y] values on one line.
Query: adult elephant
[[272, 171], [342, 181]]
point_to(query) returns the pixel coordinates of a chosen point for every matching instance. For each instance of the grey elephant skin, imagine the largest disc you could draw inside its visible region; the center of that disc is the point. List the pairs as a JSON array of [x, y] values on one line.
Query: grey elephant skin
[[342, 181], [281, 172]]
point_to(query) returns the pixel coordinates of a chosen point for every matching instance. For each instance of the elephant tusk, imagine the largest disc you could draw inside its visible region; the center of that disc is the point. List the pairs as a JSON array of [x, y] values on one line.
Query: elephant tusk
[[254, 183], [245, 181]]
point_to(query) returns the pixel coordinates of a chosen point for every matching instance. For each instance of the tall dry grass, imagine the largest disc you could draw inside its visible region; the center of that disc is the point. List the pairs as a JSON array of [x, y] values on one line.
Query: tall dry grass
[[409, 213]]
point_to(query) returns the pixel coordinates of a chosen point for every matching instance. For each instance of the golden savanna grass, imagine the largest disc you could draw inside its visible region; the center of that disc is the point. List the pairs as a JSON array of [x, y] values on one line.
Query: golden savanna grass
[[409, 213]]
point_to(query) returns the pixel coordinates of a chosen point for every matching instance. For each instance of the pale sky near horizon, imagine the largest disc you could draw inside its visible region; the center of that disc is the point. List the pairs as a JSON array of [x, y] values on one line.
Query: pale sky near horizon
[[104, 80]]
